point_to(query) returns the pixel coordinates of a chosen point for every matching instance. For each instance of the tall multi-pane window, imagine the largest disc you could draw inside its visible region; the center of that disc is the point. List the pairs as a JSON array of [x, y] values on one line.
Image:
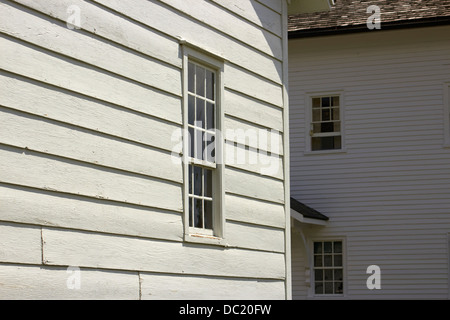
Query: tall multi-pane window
[[202, 106], [326, 123], [328, 267]]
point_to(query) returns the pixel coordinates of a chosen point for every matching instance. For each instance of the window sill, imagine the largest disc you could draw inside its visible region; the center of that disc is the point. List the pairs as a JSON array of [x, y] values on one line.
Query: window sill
[[204, 239], [324, 152]]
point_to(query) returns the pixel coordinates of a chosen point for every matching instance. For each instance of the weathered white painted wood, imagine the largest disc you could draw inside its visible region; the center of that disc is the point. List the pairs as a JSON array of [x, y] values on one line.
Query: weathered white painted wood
[[78, 110], [255, 186], [243, 81], [42, 66], [50, 283], [251, 110], [219, 19], [156, 16], [256, 13], [19, 243], [248, 134], [48, 208], [111, 26], [254, 237], [41, 31], [125, 253], [38, 134], [170, 287], [254, 211], [259, 162], [22, 167], [273, 4]]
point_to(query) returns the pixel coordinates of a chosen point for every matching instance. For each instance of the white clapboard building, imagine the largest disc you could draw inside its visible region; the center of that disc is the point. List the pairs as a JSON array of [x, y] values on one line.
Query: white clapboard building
[[369, 86], [143, 149]]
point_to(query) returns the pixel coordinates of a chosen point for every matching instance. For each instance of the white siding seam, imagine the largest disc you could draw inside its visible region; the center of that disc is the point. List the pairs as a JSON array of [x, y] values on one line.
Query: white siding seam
[[81, 96], [254, 98], [93, 35], [83, 63]]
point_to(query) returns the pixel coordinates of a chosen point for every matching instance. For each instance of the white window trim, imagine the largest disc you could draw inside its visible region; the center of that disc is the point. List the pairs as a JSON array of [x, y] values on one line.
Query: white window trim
[[311, 294], [308, 121], [191, 234], [446, 91]]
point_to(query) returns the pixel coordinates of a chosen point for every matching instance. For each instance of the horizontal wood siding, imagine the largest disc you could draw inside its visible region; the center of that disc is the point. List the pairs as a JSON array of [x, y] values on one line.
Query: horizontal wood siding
[[388, 194], [88, 118]]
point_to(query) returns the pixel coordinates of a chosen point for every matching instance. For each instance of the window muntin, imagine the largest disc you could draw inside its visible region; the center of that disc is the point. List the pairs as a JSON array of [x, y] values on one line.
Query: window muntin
[[201, 151], [326, 123], [328, 267]]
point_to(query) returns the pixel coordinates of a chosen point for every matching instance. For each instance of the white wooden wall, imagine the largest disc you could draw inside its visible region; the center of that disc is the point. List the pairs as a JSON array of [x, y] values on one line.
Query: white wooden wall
[[86, 178], [389, 193]]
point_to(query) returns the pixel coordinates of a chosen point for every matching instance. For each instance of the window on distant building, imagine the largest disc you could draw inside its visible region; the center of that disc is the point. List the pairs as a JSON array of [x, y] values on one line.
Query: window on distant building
[[328, 266], [325, 122], [203, 179]]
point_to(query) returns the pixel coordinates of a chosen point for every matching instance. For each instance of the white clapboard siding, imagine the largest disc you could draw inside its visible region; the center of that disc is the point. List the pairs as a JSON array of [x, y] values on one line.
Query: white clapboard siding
[[22, 167], [110, 26], [254, 211], [45, 33], [254, 237], [299, 266], [388, 193], [156, 16], [37, 282], [20, 243], [272, 4], [256, 13], [47, 208], [243, 183], [170, 287], [62, 247], [244, 107], [44, 66], [216, 17], [39, 134], [68, 107]]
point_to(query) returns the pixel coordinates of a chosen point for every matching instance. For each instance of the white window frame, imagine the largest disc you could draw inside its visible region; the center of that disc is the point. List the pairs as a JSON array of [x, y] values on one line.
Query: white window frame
[[217, 234], [446, 91], [309, 119], [311, 291]]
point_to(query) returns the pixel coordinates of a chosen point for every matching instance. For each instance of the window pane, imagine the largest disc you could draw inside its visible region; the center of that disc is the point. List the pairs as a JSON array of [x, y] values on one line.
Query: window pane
[[317, 127], [191, 109], [328, 287], [335, 101], [318, 288], [328, 274], [210, 116], [325, 102], [325, 143], [338, 260], [317, 261], [316, 115], [210, 152], [318, 275], [191, 208], [207, 183], [191, 142], [338, 275], [336, 115], [337, 142], [200, 114], [338, 287], [198, 181], [191, 77], [317, 247], [190, 179], [328, 260], [200, 81], [199, 144], [337, 127], [210, 84], [337, 247], [327, 127], [327, 247], [326, 115], [198, 213], [208, 214], [316, 102]]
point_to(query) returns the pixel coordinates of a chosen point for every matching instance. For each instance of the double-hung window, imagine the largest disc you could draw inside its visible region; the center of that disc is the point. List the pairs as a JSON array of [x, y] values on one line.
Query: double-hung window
[[325, 122], [328, 268], [203, 179]]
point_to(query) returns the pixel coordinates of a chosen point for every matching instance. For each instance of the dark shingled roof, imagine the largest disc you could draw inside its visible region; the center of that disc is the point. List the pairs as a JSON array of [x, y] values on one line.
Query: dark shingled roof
[[306, 211], [351, 16]]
